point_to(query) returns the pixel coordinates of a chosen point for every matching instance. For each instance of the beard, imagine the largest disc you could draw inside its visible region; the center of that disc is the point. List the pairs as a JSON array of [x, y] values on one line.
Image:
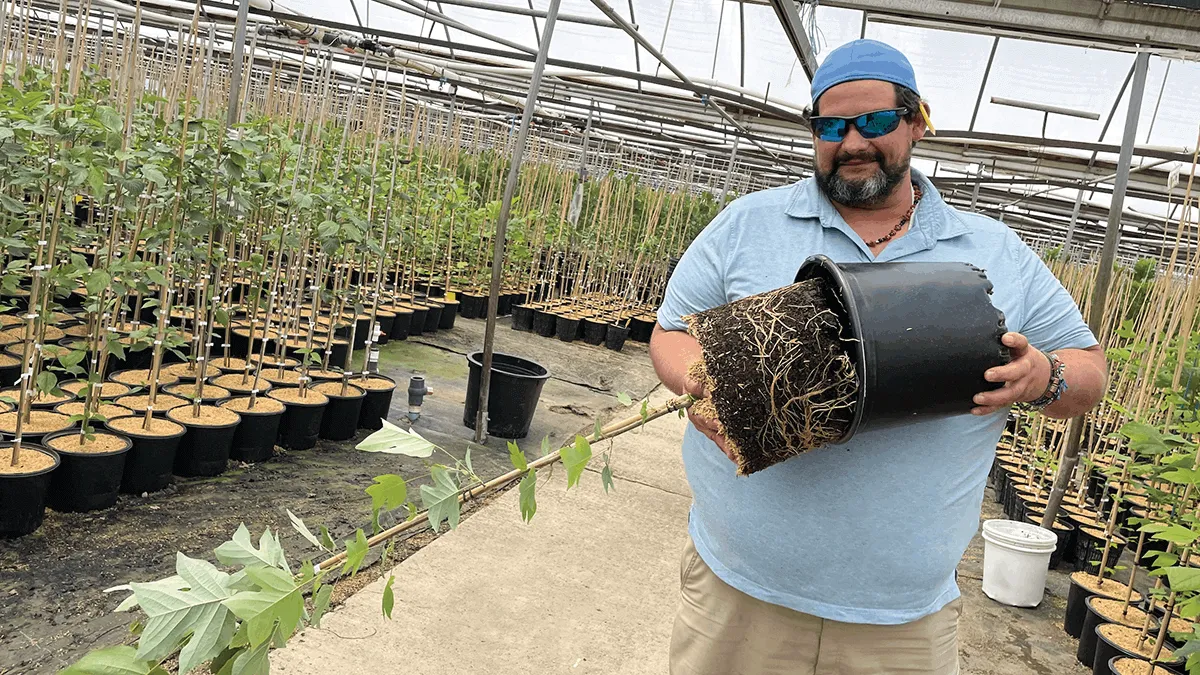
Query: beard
[[868, 191]]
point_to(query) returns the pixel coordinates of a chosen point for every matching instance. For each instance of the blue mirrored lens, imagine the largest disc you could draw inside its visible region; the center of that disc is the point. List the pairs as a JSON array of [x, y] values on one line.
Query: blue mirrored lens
[[876, 124], [831, 128]]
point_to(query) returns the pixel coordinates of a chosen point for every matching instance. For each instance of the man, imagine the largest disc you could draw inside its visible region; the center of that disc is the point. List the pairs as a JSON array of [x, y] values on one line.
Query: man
[[842, 560]]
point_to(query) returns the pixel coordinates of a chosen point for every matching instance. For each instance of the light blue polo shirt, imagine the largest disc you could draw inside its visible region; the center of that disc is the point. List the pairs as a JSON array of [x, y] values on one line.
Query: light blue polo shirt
[[869, 531]]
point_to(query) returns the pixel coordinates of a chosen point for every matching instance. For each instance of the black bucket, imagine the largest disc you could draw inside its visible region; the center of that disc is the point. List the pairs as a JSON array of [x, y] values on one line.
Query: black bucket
[[1086, 650], [402, 324], [522, 318], [254, 440], [516, 385], [567, 328], [594, 331], [375, 405], [204, 451], [417, 325], [614, 338], [472, 306], [301, 424], [23, 496], [433, 320], [150, 460], [449, 314], [362, 326], [1089, 551], [913, 327], [340, 421], [1106, 652], [86, 481], [640, 329], [504, 303], [385, 319], [544, 323]]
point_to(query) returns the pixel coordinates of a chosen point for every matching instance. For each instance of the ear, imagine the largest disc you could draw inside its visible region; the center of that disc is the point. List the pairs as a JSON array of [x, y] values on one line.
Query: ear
[[918, 126]]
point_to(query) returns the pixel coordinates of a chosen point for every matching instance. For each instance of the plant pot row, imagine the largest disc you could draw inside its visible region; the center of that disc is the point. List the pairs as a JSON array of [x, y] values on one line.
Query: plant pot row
[[567, 327], [145, 456]]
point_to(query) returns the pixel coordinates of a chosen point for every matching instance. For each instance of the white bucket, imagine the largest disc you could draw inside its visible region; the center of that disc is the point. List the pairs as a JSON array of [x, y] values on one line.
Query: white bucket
[[1016, 557]]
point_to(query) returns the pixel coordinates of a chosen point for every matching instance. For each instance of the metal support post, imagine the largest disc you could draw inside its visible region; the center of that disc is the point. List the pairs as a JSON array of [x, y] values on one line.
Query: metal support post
[[498, 240], [729, 171], [235, 62], [1112, 235]]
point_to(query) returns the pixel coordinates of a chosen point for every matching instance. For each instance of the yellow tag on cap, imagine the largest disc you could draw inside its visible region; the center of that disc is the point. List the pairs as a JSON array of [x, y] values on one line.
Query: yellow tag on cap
[[925, 116]]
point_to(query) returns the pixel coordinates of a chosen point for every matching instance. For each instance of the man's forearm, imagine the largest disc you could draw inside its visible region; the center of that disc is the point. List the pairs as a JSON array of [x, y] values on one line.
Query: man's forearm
[[671, 352], [1086, 381]]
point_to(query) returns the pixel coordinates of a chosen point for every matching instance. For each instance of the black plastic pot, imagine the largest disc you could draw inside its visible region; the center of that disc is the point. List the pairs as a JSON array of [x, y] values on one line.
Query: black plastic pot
[[9, 374], [522, 318], [23, 496], [1106, 652], [1085, 653], [204, 451], [433, 319], [417, 326], [567, 329], [640, 330], [1076, 610], [149, 462], [544, 323], [385, 319], [921, 335], [254, 440], [362, 326], [402, 324], [472, 306], [1089, 551], [594, 331], [516, 385], [375, 405], [504, 304], [86, 481], [614, 338], [301, 424], [449, 313], [340, 421]]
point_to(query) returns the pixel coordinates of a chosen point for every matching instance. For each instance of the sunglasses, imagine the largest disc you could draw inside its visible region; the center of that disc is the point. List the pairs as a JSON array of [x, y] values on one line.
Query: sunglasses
[[869, 125]]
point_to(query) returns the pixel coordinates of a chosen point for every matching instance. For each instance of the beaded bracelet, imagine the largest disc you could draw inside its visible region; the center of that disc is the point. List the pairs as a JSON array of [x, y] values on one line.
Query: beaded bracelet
[[1055, 388]]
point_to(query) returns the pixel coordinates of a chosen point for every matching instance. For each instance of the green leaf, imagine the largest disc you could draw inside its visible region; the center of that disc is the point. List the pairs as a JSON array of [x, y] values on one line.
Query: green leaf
[[393, 440], [575, 458], [1183, 579], [277, 602], [155, 276], [253, 661], [240, 550], [517, 457], [646, 412], [624, 399], [545, 446], [606, 476], [154, 175], [72, 358], [327, 542], [389, 492], [120, 660], [172, 612], [441, 498], [221, 317], [598, 431], [389, 597], [356, 550], [1177, 534], [321, 604], [300, 527], [46, 381], [97, 281], [528, 500]]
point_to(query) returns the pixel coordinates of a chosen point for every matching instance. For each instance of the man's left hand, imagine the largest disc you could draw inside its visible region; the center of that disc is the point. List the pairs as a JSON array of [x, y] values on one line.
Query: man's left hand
[[1025, 378]]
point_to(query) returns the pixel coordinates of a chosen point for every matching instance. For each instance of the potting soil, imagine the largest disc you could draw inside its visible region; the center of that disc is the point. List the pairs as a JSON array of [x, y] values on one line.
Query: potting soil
[[134, 426], [780, 376], [335, 389], [373, 383], [30, 461], [210, 416], [1132, 666], [1127, 638], [108, 410], [262, 404], [39, 422], [99, 444], [162, 402], [292, 395]]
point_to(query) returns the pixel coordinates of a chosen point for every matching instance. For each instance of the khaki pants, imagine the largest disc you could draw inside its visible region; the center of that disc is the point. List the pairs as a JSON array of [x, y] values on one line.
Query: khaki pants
[[721, 631]]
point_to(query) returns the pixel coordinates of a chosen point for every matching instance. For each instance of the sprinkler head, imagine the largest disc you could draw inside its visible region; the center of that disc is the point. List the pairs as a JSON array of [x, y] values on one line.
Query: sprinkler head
[[416, 394]]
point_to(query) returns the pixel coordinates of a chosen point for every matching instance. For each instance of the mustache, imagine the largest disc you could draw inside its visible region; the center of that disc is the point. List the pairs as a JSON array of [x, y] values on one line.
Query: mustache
[[866, 155]]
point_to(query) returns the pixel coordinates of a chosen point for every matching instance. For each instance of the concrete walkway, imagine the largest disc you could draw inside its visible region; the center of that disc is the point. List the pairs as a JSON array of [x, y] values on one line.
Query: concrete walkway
[[591, 586]]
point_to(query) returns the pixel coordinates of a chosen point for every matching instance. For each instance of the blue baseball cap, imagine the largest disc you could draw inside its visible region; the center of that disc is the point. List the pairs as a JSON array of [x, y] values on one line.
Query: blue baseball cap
[[863, 60]]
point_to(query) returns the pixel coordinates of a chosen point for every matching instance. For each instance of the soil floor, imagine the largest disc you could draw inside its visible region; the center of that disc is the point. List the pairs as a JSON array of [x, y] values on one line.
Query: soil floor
[[52, 609]]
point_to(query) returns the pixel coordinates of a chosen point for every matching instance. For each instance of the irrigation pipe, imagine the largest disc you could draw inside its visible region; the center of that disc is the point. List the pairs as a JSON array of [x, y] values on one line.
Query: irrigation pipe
[[613, 429]]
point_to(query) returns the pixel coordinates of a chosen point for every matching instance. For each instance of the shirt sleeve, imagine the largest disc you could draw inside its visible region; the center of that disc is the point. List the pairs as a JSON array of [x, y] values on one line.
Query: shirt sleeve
[[1051, 319], [698, 282]]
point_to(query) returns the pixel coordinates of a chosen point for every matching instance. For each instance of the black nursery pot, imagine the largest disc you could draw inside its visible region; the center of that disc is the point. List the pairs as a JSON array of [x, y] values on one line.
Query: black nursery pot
[[1090, 549], [204, 451], [401, 325], [254, 440], [385, 319], [614, 338], [544, 323], [472, 306], [362, 327], [567, 328], [516, 385], [449, 314], [23, 496], [913, 327], [149, 462], [375, 405], [1106, 652], [301, 424], [594, 331], [522, 318], [504, 303], [340, 421], [433, 319], [1085, 653], [640, 330], [417, 326], [86, 481]]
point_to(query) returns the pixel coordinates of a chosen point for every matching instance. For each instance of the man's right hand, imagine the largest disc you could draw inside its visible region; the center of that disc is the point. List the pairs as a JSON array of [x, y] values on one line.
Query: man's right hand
[[705, 425]]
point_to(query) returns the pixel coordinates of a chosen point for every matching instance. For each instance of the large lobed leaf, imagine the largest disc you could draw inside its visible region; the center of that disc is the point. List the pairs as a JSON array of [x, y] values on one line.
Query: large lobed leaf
[[441, 499], [193, 608], [276, 603], [241, 551]]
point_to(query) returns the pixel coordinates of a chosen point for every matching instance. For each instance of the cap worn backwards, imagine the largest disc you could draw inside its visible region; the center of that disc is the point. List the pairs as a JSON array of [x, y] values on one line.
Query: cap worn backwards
[[863, 60]]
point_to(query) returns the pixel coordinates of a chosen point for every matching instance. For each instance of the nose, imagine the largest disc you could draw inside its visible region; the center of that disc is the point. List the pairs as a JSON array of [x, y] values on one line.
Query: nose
[[854, 142]]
